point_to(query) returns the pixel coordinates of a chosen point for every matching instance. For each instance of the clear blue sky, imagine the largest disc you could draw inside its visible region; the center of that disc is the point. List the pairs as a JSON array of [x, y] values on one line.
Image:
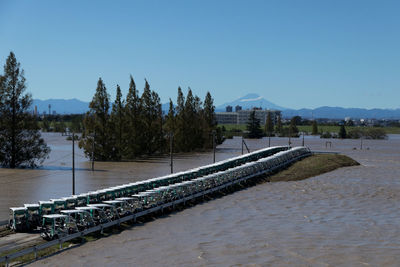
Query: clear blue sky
[[294, 53]]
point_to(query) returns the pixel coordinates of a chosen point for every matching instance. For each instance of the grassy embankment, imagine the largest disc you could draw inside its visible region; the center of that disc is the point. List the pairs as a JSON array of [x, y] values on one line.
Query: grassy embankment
[[321, 128], [306, 168], [313, 166]]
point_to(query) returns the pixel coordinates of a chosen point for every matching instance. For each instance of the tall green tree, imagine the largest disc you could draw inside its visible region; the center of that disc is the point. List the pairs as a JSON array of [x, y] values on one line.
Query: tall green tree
[[189, 122], [253, 126], [20, 139], [314, 128], [158, 143], [269, 125], [170, 118], [97, 126], [293, 130], [117, 124], [45, 125], [210, 121], [180, 122], [151, 120], [209, 111], [278, 127], [76, 123], [342, 132], [132, 133]]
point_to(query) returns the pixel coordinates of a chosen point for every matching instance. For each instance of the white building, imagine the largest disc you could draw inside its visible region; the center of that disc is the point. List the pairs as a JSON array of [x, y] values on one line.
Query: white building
[[242, 116]]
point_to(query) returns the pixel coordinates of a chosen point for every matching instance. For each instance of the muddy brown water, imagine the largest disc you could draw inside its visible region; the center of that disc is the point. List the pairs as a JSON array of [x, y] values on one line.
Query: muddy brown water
[[346, 217]]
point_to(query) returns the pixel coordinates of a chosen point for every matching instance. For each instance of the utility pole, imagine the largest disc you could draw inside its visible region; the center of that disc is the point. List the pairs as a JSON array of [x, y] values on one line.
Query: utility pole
[[302, 144], [73, 163], [171, 142], [242, 144], [269, 139], [290, 134], [213, 134]]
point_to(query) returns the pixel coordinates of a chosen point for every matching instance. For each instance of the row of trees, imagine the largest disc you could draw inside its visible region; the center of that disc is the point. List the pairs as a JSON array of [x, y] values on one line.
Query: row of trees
[[356, 133], [20, 140], [254, 128], [60, 123], [136, 125]]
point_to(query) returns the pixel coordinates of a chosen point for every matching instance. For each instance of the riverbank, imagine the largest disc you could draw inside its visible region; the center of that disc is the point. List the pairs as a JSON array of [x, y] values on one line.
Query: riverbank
[[312, 166]]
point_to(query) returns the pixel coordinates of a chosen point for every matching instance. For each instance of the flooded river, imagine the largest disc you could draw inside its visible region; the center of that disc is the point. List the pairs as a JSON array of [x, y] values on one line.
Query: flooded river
[[346, 217]]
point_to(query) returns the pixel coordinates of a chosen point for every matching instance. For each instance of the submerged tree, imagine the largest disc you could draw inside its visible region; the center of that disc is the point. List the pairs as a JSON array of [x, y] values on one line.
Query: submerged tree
[[253, 126], [278, 127], [180, 123], [293, 130], [314, 128], [151, 121], [96, 139], [132, 131], [210, 121], [269, 125], [170, 118], [117, 124], [342, 132], [20, 140]]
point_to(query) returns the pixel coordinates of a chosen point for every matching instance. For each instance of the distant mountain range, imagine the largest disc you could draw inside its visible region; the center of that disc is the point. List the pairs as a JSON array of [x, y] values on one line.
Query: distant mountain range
[[75, 106], [254, 100], [61, 106]]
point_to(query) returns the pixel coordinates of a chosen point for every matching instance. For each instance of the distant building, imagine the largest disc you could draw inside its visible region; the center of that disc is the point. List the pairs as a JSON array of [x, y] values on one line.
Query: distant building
[[237, 108], [226, 117], [54, 112], [228, 108], [242, 116]]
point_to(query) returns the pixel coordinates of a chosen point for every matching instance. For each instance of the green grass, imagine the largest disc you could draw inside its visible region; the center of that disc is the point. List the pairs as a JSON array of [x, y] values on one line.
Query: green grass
[[230, 127], [313, 166]]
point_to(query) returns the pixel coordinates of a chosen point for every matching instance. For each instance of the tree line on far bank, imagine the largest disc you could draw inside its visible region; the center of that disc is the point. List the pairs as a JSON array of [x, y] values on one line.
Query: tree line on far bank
[[254, 129], [135, 125]]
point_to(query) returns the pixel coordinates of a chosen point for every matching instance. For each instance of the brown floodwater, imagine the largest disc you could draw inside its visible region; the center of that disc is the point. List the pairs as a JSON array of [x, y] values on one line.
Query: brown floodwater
[[345, 217]]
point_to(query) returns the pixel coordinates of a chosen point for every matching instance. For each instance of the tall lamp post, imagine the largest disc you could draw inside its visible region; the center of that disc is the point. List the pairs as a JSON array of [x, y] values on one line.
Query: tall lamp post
[[73, 163], [213, 141], [269, 139], [171, 145]]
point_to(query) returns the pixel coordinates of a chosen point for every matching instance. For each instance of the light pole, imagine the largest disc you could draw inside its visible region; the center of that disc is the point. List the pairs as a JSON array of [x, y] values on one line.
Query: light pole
[[242, 144], [302, 143], [73, 163], [213, 141], [269, 139], [171, 145]]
